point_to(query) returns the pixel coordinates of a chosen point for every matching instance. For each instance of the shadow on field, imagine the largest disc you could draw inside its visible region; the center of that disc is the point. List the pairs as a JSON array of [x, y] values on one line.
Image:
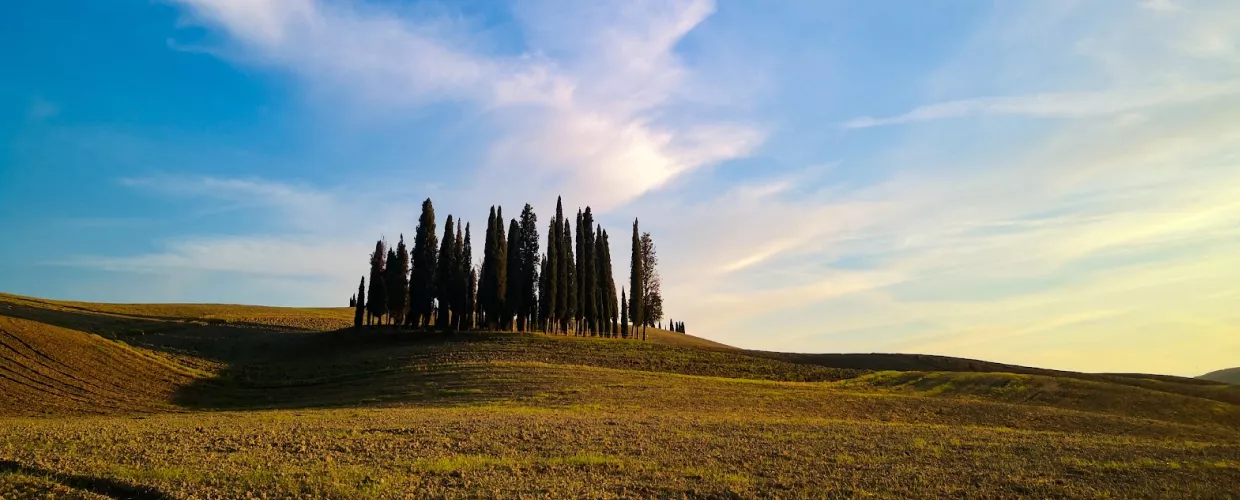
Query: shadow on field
[[366, 367], [97, 485], [209, 339]]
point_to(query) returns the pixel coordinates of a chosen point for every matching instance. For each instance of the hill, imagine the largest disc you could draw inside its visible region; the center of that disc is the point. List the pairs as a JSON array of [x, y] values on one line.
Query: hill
[[171, 401], [1226, 376]]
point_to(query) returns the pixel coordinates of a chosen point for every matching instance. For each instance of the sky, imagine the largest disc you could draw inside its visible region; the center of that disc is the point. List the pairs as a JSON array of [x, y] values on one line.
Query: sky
[[1052, 183]]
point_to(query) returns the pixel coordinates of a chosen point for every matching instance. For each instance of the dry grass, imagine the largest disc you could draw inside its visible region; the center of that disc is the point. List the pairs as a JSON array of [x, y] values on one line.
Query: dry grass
[[225, 401]]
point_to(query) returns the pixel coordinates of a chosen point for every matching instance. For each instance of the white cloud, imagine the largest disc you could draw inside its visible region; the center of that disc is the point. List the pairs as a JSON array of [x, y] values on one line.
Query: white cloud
[[587, 113]]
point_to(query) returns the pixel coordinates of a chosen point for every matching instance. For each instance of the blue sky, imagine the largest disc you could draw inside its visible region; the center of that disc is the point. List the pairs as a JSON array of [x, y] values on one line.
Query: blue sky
[[1051, 183]]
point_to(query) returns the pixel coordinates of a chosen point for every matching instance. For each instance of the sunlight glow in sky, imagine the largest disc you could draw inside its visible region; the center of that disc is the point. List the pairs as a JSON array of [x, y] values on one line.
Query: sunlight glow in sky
[[1052, 183]]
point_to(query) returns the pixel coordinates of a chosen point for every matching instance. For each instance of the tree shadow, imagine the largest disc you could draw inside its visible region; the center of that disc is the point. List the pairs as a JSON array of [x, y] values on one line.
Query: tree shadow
[[98, 485], [359, 367], [225, 342]]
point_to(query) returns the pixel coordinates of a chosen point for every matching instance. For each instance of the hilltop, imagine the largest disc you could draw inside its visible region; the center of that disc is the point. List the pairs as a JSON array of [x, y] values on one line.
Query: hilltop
[[1227, 376], [186, 400]]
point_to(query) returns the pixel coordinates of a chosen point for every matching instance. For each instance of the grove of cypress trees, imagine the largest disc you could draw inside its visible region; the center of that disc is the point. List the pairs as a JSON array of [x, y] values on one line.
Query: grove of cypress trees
[[512, 303], [635, 283], [422, 274], [377, 305], [445, 274], [359, 303]]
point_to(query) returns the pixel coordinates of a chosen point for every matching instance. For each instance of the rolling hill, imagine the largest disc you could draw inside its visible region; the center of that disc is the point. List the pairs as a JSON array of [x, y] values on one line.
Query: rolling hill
[[1226, 376], [184, 400]]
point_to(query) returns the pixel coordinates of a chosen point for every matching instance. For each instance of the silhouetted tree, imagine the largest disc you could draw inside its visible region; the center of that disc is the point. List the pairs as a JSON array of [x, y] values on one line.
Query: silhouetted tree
[[636, 274], [528, 258], [459, 276], [377, 305], [398, 282], [607, 285], [502, 311], [469, 278], [651, 283], [389, 284], [359, 309], [486, 278], [582, 270], [589, 271], [543, 300], [569, 278], [512, 303], [353, 301], [549, 286], [424, 266], [624, 315], [562, 263], [471, 296], [444, 275]]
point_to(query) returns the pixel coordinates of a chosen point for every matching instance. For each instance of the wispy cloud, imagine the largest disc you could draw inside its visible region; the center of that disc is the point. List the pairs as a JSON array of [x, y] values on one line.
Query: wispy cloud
[[586, 120], [1060, 105], [42, 109]]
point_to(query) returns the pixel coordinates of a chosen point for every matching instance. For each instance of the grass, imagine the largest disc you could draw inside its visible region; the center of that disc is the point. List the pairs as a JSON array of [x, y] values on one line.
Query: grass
[[195, 401]]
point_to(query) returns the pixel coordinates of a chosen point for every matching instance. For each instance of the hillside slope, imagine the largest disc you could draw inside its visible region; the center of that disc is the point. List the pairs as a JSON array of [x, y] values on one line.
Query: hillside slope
[[55, 371], [216, 401], [1226, 376]]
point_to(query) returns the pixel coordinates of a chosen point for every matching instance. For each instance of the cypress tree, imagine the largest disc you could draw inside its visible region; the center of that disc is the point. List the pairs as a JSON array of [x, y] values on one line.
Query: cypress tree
[[528, 248], [398, 282], [589, 271], [422, 274], [609, 284], [635, 283], [543, 300], [486, 277], [569, 278], [624, 315], [468, 278], [389, 283], [445, 274], [512, 304], [377, 306], [353, 301], [459, 275], [359, 303], [600, 276], [501, 272], [471, 297], [550, 285], [563, 260], [581, 268]]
